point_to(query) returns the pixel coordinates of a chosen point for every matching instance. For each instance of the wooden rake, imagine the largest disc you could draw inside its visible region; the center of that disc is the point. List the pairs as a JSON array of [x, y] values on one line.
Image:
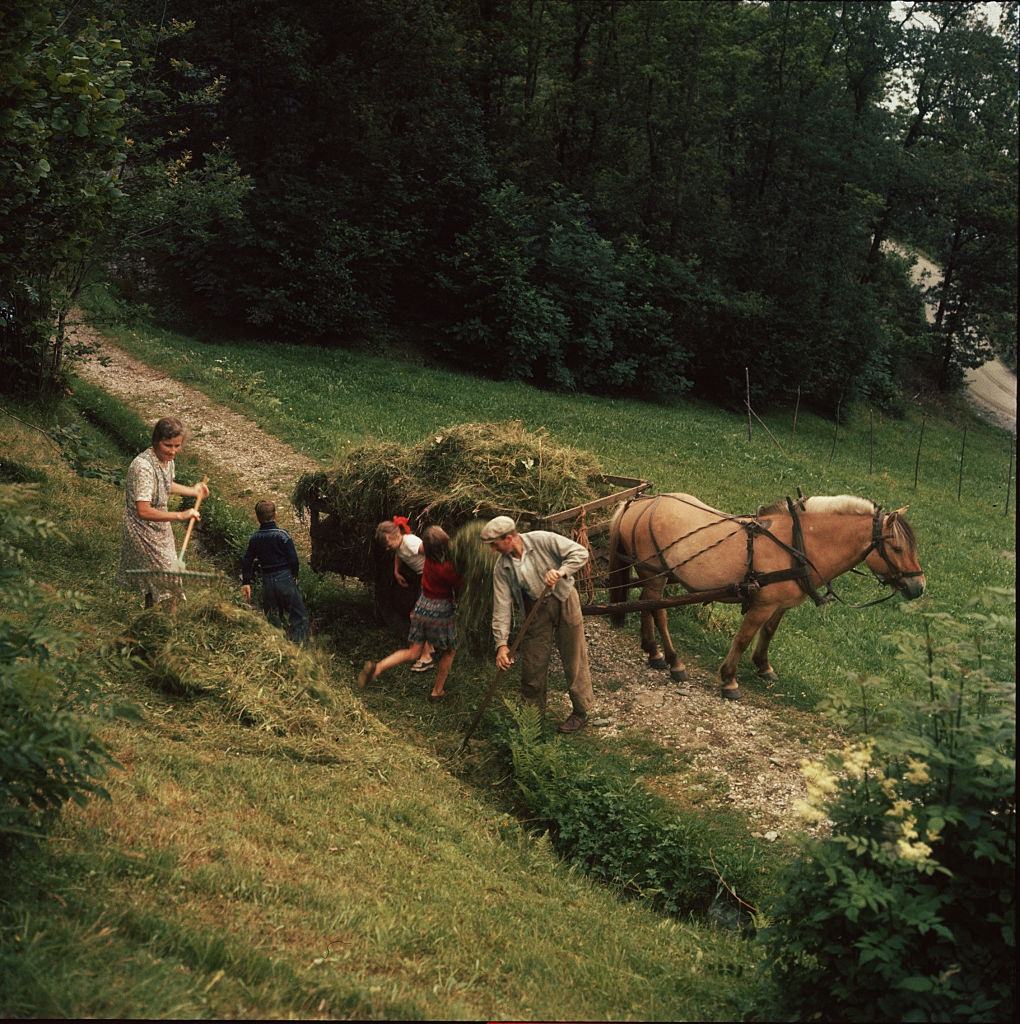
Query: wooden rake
[[187, 532]]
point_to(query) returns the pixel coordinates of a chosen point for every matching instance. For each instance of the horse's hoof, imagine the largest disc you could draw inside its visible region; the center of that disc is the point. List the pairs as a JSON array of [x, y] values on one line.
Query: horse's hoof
[[730, 693], [658, 663], [678, 675], [770, 674]]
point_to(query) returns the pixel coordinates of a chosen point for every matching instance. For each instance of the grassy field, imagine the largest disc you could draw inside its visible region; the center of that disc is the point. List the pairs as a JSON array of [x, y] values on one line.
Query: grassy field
[[324, 401], [237, 874]]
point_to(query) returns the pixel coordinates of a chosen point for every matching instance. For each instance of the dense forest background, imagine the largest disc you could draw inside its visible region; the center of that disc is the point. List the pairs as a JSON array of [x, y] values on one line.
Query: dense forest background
[[606, 195]]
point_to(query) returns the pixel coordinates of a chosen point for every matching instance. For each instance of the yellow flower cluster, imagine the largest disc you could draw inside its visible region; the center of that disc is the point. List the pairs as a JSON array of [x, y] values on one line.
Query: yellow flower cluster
[[908, 847], [856, 760], [899, 808], [821, 784], [178, 167]]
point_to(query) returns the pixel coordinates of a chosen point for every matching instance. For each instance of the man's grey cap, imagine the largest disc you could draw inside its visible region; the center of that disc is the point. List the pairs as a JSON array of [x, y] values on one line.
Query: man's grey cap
[[496, 528]]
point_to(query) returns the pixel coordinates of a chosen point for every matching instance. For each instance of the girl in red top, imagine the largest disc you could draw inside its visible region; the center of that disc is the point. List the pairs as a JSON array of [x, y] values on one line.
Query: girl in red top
[[432, 618]]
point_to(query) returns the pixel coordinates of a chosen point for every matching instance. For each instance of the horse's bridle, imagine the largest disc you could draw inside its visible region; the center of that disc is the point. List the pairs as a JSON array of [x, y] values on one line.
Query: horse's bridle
[[897, 577]]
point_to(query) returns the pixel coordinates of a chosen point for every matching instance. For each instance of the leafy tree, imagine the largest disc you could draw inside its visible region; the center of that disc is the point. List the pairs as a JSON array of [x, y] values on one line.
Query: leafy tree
[[61, 147], [970, 211], [361, 153], [952, 186], [94, 167], [534, 284], [648, 196]]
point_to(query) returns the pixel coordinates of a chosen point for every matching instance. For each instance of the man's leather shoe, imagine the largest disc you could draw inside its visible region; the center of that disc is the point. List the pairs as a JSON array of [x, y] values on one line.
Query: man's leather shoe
[[574, 723]]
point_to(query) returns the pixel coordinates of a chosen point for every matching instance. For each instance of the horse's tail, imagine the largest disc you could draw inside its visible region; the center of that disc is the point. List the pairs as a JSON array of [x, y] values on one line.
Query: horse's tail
[[618, 581]]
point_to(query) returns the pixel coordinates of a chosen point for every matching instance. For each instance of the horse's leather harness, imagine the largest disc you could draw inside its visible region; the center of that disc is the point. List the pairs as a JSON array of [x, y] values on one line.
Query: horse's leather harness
[[753, 581], [800, 571]]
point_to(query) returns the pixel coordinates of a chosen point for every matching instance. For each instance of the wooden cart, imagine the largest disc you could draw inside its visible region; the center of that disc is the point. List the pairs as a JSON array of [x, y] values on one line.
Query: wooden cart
[[588, 523]]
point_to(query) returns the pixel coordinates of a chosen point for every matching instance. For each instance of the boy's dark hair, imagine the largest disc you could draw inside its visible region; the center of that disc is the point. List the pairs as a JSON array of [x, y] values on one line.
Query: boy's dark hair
[[166, 428], [265, 511], [436, 543]]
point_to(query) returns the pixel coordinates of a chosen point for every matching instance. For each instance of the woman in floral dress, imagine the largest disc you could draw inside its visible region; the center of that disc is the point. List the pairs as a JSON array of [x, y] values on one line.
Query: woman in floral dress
[[147, 538]]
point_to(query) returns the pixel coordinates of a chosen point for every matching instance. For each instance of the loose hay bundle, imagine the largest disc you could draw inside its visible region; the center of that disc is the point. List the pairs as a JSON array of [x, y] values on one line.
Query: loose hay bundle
[[474, 561], [211, 647], [460, 473]]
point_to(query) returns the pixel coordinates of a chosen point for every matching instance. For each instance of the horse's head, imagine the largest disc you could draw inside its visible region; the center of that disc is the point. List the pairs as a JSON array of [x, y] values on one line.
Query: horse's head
[[893, 554]]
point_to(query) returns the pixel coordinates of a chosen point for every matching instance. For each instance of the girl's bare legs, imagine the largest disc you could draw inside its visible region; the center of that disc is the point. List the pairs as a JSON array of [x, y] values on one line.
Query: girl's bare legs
[[442, 671], [412, 653]]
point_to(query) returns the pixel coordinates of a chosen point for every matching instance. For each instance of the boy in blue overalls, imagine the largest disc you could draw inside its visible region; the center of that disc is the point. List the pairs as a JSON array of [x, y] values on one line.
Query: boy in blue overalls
[[274, 551]]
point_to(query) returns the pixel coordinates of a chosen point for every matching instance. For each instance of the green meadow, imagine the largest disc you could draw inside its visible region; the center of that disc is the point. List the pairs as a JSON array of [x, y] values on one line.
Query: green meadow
[[240, 871]]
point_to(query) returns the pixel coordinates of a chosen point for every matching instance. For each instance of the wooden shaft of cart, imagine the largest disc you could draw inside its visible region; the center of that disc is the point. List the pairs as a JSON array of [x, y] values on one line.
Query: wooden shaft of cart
[[491, 692], [733, 592]]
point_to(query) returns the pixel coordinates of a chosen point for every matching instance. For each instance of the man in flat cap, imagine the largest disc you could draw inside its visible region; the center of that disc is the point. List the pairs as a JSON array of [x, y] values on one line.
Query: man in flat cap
[[529, 564]]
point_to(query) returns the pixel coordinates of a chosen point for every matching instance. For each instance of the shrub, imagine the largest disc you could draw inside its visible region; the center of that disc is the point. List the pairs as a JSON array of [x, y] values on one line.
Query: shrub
[[906, 911], [48, 690], [61, 106], [604, 821]]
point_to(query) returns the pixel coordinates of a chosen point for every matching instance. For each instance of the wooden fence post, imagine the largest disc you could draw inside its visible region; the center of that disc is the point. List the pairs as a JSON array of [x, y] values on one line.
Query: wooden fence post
[[963, 448], [835, 431], [917, 460], [871, 440], [747, 382], [1009, 476]]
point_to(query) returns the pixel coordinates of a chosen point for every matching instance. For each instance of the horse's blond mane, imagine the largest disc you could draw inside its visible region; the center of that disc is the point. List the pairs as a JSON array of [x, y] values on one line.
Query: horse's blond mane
[[844, 505], [840, 505]]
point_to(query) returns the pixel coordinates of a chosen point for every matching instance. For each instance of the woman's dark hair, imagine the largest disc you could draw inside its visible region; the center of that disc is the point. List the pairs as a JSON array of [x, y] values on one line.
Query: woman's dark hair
[[167, 427], [436, 543]]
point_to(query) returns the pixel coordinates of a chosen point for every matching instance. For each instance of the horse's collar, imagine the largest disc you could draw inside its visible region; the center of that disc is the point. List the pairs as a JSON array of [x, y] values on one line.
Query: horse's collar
[[800, 571]]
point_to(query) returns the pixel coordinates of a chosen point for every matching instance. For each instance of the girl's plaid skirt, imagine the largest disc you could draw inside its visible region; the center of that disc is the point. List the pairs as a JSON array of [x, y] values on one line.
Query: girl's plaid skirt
[[432, 620]]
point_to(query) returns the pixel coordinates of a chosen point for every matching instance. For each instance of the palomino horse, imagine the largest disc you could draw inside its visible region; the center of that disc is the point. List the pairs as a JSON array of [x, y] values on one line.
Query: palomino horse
[[770, 562]]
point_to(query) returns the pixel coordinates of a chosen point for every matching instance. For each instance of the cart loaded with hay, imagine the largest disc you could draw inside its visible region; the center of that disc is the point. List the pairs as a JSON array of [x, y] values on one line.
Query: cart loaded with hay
[[458, 478]]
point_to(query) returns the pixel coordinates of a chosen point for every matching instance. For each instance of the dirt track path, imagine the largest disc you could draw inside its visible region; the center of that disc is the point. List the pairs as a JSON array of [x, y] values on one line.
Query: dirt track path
[[219, 436], [744, 756]]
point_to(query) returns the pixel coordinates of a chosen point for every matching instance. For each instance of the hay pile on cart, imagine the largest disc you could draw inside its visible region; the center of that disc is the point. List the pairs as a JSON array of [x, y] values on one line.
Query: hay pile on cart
[[460, 473]]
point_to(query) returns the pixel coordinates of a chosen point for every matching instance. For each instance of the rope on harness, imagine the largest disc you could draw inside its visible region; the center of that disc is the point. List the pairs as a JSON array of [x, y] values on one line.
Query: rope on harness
[[583, 579]]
